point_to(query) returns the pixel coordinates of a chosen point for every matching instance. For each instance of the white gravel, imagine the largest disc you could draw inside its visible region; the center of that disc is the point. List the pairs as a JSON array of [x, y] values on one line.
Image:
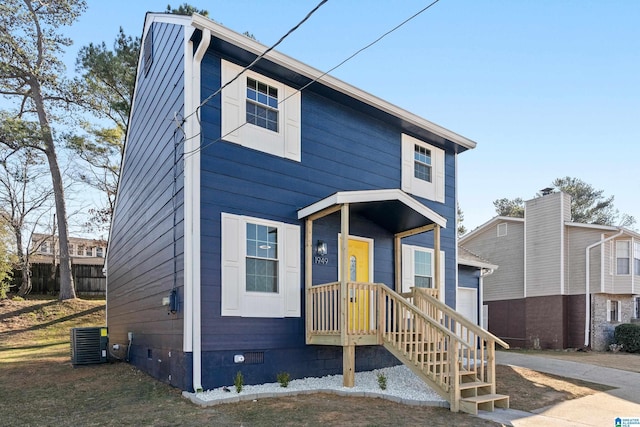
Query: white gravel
[[403, 386]]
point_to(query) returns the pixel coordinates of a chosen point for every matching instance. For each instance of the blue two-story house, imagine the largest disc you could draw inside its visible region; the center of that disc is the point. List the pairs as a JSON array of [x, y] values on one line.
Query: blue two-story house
[[277, 219]]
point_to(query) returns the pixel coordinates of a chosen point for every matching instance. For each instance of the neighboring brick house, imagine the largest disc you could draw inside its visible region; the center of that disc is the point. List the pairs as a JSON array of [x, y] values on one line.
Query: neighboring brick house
[[539, 297], [87, 259]]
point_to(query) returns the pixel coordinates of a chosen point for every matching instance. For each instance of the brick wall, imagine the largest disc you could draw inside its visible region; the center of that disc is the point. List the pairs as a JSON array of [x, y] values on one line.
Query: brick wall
[[602, 330]]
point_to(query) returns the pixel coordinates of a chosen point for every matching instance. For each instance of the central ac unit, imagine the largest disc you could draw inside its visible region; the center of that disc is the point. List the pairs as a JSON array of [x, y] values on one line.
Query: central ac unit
[[89, 345]]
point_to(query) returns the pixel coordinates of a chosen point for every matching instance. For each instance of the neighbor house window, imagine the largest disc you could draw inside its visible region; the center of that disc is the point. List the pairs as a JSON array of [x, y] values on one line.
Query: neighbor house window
[[260, 267], [262, 258], [89, 251], [636, 258], [44, 248], [99, 252], [613, 311], [260, 113], [422, 169], [622, 257], [80, 250], [637, 308], [502, 229], [262, 104], [71, 249]]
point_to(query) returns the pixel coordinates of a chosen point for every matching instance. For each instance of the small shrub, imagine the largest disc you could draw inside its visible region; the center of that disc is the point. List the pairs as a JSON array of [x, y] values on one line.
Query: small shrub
[[239, 382], [382, 381], [283, 379], [614, 348], [627, 335], [17, 298]]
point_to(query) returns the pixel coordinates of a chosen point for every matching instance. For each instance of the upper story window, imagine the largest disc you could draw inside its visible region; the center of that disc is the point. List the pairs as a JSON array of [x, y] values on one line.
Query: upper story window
[[44, 247], [422, 165], [622, 257], [502, 229], [260, 113], [422, 169], [72, 249], [262, 104], [260, 267], [99, 252], [636, 258]]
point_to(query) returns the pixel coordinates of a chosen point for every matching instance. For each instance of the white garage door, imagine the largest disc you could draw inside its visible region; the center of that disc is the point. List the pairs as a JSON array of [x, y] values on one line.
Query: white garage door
[[468, 303]]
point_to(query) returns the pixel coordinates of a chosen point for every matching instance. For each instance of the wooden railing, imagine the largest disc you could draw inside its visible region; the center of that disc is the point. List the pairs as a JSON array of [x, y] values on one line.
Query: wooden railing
[[477, 355], [325, 309], [414, 337], [433, 340]]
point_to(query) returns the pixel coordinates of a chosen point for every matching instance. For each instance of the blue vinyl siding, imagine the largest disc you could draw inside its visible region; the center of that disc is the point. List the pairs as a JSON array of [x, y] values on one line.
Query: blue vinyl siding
[[142, 260], [468, 277], [343, 149]]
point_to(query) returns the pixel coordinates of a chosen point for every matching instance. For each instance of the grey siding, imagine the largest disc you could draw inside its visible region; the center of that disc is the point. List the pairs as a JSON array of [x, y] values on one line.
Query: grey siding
[[544, 249], [578, 239], [507, 251], [146, 248], [623, 283]]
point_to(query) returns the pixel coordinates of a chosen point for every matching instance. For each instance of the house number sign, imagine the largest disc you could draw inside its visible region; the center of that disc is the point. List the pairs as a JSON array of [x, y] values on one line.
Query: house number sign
[[321, 260]]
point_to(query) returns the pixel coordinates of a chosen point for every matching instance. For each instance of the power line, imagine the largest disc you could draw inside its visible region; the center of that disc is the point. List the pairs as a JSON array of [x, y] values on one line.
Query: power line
[[197, 150], [203, 103]]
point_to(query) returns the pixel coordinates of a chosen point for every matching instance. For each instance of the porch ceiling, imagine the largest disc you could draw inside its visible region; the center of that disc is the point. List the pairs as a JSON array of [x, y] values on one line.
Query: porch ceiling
[[392, 209]]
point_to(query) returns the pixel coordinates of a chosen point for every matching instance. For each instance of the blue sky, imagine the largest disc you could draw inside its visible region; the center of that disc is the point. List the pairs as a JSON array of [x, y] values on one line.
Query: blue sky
[[547, 88]]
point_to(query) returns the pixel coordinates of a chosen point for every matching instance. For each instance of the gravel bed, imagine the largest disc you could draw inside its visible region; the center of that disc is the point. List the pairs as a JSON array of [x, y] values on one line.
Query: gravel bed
[[403, 386]]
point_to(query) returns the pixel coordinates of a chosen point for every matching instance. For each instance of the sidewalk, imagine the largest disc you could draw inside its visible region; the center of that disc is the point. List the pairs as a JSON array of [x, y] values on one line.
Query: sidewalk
[[600, 409]]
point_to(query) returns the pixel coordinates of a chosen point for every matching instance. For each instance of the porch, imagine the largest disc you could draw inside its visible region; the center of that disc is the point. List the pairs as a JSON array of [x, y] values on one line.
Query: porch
[[450, 353]]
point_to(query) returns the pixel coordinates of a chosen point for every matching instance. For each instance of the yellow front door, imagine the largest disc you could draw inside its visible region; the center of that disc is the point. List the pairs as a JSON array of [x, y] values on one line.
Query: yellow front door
[[359, 300]]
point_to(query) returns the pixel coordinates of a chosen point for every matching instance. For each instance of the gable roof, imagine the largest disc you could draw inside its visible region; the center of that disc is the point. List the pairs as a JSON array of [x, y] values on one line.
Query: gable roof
[[409, 121], [493, 221]]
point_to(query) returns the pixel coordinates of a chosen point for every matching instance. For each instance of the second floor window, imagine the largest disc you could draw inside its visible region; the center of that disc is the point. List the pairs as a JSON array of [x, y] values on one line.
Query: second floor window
[[262, 104], [422, 166], [622, 257], [636, 258]]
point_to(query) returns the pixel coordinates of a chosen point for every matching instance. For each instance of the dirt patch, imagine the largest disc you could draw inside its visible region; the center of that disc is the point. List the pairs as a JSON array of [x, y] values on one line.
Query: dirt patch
[[40, 386]]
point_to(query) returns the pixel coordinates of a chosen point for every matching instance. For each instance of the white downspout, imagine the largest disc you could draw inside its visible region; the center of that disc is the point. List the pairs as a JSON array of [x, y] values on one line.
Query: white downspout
[[587, 294], [484, 272], [192, 205]]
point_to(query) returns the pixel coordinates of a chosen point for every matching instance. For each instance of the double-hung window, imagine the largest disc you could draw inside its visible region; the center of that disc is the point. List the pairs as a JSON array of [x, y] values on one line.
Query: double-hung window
[[260, 113], [262, 104], [636, 258], [418, 268], [422, 169], [262, 258], [260, 267], [622, 257], [613, 311]]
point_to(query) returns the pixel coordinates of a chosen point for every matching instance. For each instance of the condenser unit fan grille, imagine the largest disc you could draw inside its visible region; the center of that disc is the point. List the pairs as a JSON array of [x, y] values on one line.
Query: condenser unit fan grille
[[89, 345]]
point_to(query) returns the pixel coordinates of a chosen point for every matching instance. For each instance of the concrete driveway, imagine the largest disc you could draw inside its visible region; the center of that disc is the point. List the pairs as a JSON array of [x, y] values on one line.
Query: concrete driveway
[[600, 409]]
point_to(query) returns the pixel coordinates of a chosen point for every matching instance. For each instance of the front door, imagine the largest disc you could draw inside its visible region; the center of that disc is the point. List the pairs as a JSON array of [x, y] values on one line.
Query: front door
[[359, 299]]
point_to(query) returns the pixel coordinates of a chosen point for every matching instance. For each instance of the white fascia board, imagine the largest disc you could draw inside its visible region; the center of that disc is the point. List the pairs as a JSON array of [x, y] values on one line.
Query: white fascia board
[[364, 196], [626, 231], [478, 264], [257, 48]]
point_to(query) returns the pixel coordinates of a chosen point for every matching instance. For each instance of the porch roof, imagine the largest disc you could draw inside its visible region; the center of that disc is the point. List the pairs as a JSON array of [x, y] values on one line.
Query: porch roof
[[392, 209]]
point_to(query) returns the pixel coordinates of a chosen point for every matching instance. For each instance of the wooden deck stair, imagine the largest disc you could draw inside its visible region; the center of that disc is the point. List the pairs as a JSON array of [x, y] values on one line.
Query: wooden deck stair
[[454, 356]]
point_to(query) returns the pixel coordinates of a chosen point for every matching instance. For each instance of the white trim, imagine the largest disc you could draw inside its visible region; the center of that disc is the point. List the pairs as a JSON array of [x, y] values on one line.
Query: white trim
[[278, 58], [434, 189], [481, 228], [562, 247], [408, 269], [364, 196], [502, 229], [235, 300]]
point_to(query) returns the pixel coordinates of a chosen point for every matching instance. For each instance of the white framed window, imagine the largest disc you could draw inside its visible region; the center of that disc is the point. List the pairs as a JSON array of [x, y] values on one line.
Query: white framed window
[[636, 308], [622, 257], [99, 252], [636, 258], [260, 113], [613, 311], [80, 250], [72, 249], [418, 268], [44, 247], [422, 169], [260, 267], [502, 229]]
